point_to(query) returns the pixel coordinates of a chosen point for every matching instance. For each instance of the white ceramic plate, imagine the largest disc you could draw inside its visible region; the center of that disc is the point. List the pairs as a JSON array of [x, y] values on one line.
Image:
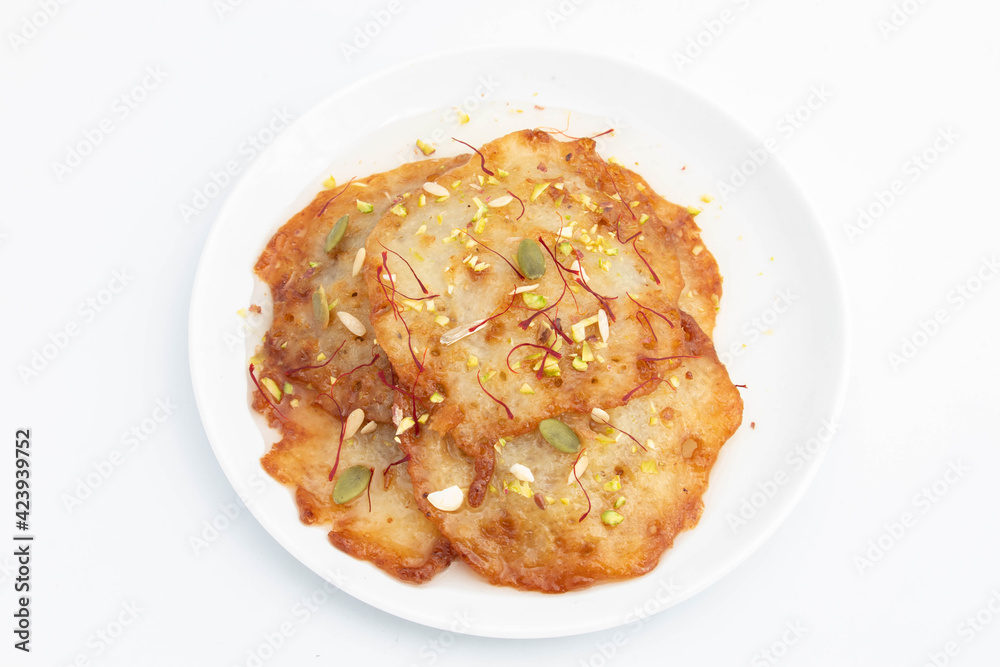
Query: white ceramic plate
[[782, 329]]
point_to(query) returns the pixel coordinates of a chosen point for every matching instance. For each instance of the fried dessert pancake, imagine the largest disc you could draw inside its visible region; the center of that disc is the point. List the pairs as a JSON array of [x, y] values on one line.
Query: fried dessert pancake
[[643, 466], [325, 384], [531, 283], [312, 261], [391, 532], [702, 282]]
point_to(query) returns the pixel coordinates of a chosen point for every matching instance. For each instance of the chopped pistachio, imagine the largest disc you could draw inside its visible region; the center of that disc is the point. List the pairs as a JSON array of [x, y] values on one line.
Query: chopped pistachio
[[472, 361], [437, 397], [423, 418], [321, 307], [534, 301], [399, 210], [272, 388], [422, 200], [579, 364], [442, 320], [614, 484], [643, 218], [526, 389], [619, 502], [611, 518], [539, 189], [425, 148], [649, 467], [329, 182], [693, 211], [288, 388], [405, 424], [365, 207]]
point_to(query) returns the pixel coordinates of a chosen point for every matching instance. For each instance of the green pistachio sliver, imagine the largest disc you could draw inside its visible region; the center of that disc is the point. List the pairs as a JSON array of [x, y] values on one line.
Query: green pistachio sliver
[[619, 502], [611, 518], [351, 484], [364, 206], [272, 387], [321, 307], [533, 301], [559, 436], [530, 259], [337, 233]]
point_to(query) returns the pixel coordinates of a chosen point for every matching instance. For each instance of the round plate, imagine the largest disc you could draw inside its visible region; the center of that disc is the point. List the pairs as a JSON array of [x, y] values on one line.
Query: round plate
[[782, 329]]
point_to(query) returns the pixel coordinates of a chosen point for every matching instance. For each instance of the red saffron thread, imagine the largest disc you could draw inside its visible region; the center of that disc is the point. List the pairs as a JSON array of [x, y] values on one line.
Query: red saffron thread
[[273, 406], [328, 201], [510, 415], [520, 201], [482, 157], [310, 368]]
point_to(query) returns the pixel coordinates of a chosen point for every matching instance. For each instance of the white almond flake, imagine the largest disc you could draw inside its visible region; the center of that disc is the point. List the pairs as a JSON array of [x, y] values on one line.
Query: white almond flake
[[368, 428], [650, 444], [397, 415], [526, 288], [359, 261], [353, 422], [577, 267], [602, 325], [578, 469], [352, 323], [501, 201], [522, 473], [460, 332], [405, 424], [600, 416], [435, 189], [447, 500]]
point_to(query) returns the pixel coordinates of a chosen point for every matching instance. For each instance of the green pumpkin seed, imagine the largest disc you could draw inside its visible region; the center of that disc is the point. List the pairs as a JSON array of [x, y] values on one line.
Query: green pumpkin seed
[[559, 436], [337, 233], [351, 484], [530, 259], [321, 307]]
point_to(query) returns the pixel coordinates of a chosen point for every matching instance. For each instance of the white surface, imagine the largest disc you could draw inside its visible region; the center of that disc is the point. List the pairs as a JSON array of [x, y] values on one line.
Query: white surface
[[129, 541], [665, 127]]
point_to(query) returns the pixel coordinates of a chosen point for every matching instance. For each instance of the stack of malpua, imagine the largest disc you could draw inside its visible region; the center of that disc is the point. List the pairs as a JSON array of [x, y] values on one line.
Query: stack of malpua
[[504, 357]]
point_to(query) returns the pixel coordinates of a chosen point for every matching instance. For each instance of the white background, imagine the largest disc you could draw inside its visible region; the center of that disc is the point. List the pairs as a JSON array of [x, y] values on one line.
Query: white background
[[127, 546]]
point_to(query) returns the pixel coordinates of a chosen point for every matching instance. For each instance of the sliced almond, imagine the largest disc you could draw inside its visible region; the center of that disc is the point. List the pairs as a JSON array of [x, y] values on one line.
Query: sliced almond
[[353, 422], [522, 473], [368, 428], [602, 325], [352, 323], [447, 500], [521, 290], [500, 201], [359, 261], [436, 190], [600, 416], [578, 469], [460, 332]]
